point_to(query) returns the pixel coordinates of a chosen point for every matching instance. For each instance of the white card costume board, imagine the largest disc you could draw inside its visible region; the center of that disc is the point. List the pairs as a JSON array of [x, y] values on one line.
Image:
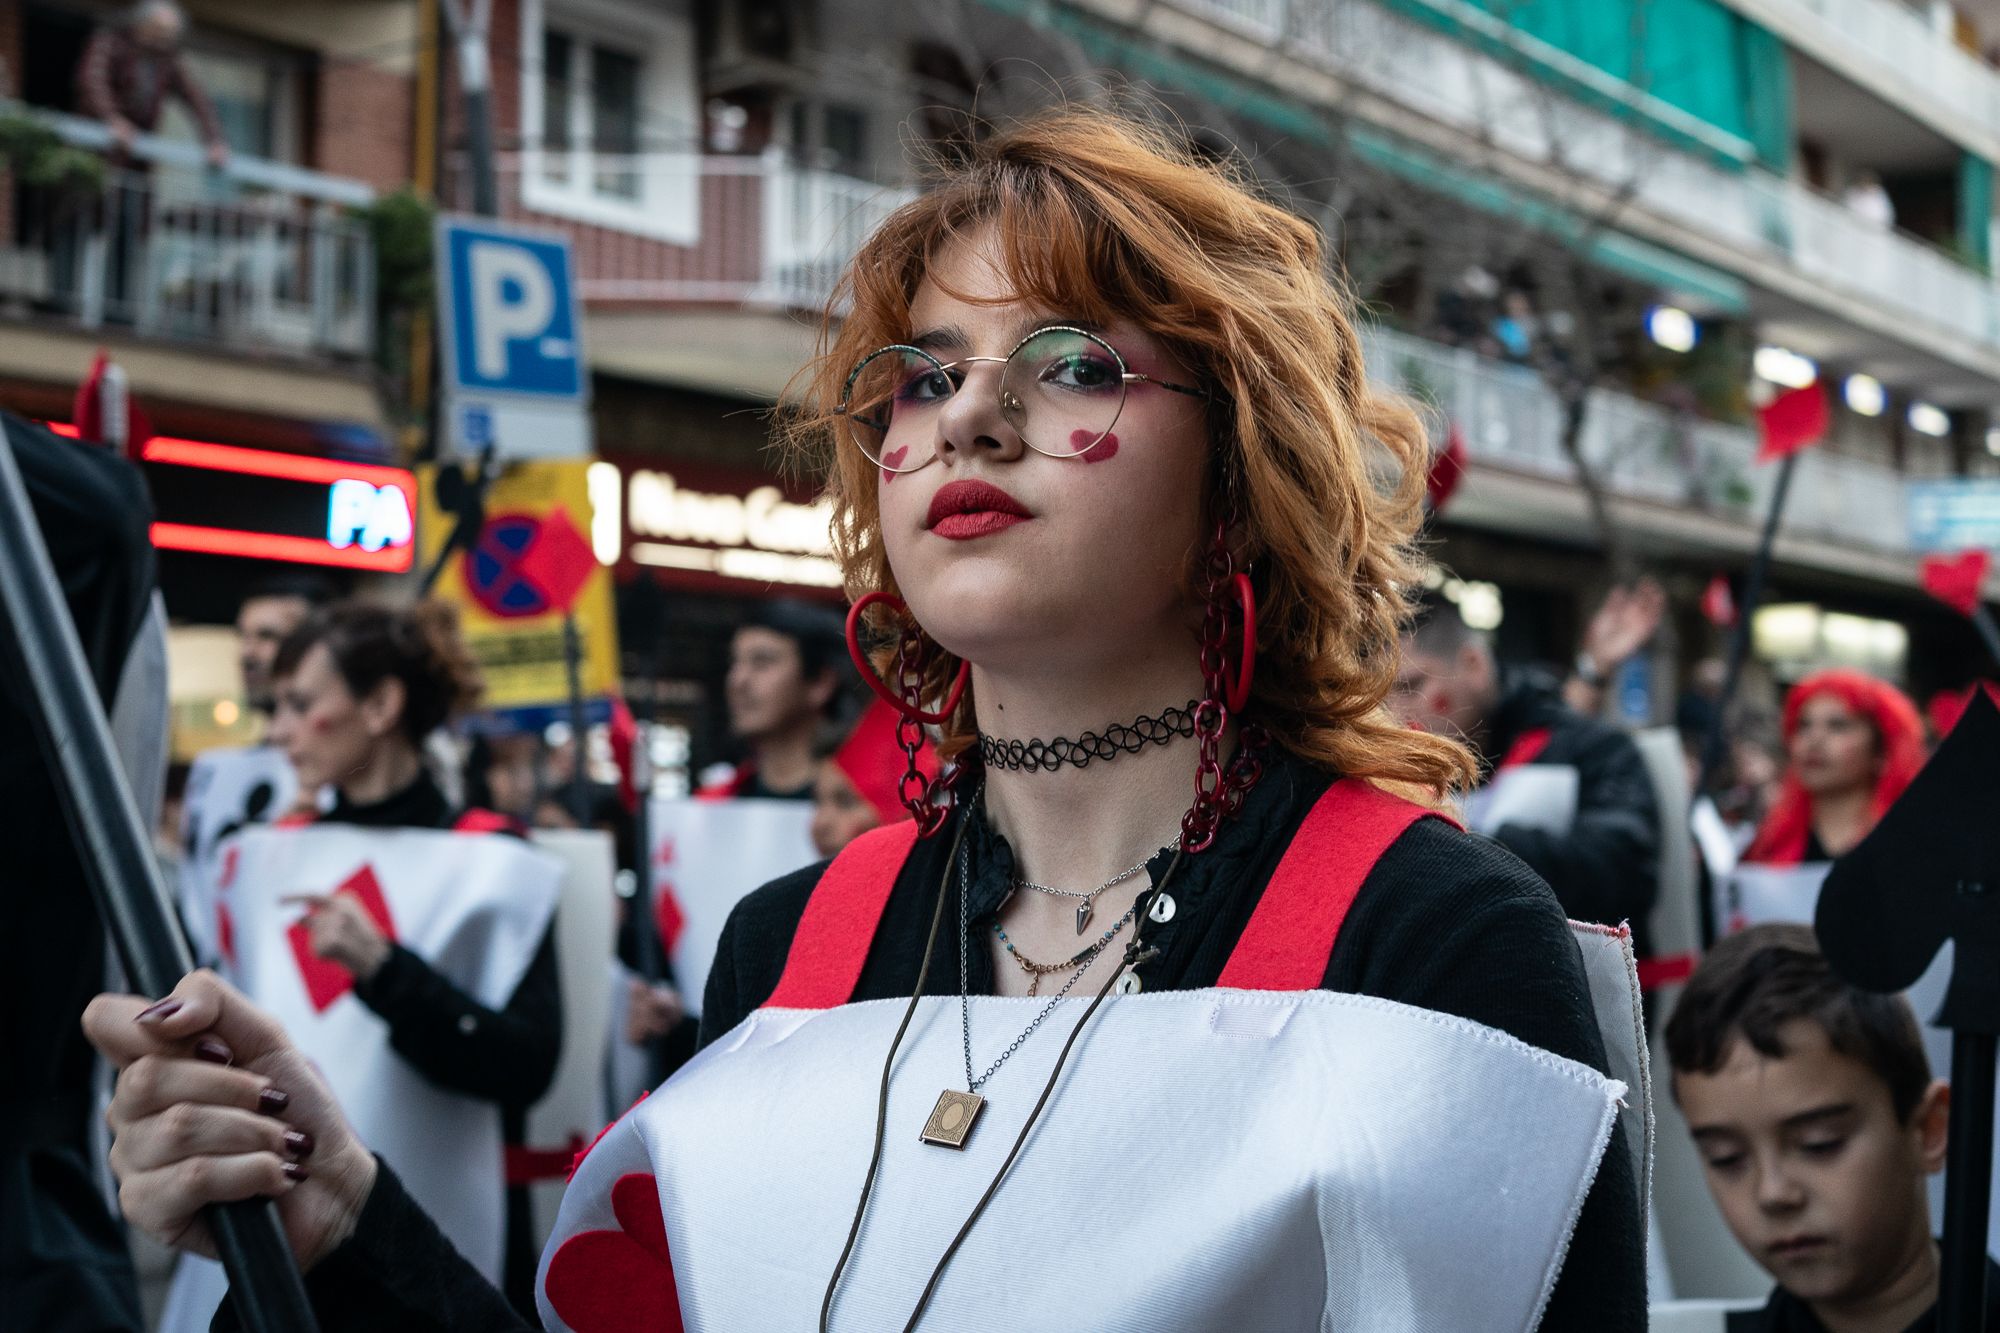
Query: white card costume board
[[475, 907], [1536, 796], [573, 1109], [1760, 893], [1314, 1160], [707, 855], [227, 790]]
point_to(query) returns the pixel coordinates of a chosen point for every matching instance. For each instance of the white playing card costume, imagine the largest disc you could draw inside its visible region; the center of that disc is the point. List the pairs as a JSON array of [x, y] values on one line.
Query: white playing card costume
[[1262, 1155], [472, 905], [227, 790]]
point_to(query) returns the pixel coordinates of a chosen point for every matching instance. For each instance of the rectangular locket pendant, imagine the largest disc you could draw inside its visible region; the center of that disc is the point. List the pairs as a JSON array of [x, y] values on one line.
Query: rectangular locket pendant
[[951, 1119]]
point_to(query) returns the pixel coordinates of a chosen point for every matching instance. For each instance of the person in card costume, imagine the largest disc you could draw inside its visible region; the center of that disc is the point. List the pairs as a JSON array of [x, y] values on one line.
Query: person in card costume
[[357, 689], [1069, 1049]]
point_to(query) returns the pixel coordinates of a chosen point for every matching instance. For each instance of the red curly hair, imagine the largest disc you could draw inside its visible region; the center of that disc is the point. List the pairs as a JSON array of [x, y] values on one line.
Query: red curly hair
[[1899, 740]]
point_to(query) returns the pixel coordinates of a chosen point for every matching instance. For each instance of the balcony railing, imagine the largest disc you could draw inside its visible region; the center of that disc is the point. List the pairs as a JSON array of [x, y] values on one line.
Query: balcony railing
[[1641, 451], [693, 228], [1755, 213], [1899, 49], [259, 256]]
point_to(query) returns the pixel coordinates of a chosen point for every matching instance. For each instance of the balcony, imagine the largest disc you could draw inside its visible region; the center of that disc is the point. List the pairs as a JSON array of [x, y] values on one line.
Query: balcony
[[1773, 230], [685, 228], [260, 257], [1642, 452], [1894, 51]]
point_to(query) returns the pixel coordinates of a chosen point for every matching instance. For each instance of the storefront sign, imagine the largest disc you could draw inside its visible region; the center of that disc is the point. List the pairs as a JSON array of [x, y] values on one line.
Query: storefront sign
[[520, 649], [260, 504], [716, 526]]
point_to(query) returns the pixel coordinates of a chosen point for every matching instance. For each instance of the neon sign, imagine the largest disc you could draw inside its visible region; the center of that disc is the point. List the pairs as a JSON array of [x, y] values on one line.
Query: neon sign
[[259, 504]]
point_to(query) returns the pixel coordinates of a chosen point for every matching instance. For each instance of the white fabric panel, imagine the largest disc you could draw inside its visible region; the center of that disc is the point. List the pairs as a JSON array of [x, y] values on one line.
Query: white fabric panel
[[586, 937], [1694, 1316], [708, 855], [1248, 1161], [1613, 974], [1536, 796]]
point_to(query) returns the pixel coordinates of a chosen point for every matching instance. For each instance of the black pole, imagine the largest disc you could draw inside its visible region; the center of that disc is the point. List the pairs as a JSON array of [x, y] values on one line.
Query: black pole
[[579, 780], [1739, 641], [475, 83], [44, 654], [1967, 1185], [1982, 620]]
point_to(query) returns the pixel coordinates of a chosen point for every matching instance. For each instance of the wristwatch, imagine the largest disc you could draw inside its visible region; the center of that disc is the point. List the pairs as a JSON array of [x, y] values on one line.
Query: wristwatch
[[1588, 671]]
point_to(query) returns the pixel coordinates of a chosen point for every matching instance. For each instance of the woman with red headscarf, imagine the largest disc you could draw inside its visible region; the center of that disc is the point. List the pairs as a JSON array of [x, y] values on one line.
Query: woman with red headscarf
[[1852, 744]]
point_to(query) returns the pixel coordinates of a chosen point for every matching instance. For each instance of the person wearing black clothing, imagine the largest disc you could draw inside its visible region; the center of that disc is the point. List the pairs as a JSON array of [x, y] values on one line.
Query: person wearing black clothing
[[1604, 867], [358, 686], [63, 1260], [784, 685], [1105, 454]]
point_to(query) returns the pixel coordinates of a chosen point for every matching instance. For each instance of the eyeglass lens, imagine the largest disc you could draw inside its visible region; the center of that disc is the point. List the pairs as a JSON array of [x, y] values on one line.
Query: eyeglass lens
[[1060, 391]]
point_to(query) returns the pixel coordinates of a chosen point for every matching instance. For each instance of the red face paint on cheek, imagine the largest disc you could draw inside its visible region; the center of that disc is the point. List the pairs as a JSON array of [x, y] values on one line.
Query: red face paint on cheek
[[893, 459], [1103, 451], [319, 726]]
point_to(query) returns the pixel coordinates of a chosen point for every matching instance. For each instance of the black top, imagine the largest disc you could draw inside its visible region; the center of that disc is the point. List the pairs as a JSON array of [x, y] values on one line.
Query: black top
[[1606, 868], [1445, 921], [1786, 1313], [63, 1261]]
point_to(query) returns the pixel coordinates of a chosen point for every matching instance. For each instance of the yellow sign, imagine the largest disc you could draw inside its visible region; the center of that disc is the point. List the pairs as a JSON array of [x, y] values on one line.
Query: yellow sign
[[522, 655]]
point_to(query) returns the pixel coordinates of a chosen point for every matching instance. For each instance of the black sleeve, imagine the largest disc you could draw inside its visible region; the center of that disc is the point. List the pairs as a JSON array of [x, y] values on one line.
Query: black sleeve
[[1606, 868], [506, 1056], [397, 1271], [750, 956], [1450, 923]]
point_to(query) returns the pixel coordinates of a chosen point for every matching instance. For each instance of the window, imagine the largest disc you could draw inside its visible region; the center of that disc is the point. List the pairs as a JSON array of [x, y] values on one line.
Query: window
[[610, 115]]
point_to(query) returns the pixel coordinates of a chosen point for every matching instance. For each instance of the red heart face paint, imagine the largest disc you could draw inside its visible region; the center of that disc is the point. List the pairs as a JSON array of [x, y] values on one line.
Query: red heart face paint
[[893, 459], [1103, 451]]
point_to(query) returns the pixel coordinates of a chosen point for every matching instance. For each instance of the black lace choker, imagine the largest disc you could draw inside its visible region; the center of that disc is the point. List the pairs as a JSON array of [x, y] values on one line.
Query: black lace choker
[[1119, 738]]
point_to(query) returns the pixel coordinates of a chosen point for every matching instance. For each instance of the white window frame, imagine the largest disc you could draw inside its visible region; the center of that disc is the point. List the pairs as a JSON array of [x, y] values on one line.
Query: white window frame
[[668, 207]]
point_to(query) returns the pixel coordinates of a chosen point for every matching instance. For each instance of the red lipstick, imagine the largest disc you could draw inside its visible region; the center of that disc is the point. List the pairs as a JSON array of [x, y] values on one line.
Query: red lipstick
[[964, 510]]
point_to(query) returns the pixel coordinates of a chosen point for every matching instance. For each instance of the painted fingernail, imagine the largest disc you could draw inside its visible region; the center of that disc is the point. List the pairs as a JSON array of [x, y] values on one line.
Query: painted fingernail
[[213, 1051], [298, 1143], [272, 1102], [294, 1171], [153, 1014]]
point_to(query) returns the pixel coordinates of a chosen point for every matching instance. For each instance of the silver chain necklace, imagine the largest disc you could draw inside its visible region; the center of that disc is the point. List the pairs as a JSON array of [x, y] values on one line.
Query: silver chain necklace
[[1086, 903]]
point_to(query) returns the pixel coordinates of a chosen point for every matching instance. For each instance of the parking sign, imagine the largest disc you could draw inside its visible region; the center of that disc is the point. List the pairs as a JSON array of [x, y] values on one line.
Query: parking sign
[[514, 373]]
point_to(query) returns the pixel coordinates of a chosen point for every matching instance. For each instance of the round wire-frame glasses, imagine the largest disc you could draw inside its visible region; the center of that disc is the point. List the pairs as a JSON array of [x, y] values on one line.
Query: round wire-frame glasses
[[1061, 389]]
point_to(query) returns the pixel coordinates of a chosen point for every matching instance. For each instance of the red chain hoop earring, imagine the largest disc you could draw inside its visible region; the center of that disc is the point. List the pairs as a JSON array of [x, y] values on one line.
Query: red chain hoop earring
[[1218, 794], [925, 798]]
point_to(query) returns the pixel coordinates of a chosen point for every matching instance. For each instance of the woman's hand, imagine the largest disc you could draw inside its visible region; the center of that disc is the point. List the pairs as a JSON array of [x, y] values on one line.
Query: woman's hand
[[214, 1104], [651, 1010], [340, 930]]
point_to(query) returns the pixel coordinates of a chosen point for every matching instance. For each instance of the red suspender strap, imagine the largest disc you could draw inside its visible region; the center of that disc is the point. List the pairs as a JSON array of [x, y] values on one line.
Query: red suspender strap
[[1527, 748], [840, 919], [477, 820], [1291, 933]]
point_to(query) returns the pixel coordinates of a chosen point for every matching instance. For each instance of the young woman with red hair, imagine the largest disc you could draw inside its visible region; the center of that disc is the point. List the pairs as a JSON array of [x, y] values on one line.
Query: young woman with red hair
[[1183, 1003], [1852, 743]]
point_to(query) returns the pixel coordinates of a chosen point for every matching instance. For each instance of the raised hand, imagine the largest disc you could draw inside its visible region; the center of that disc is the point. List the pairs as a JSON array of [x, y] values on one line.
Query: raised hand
[[214, 1104]]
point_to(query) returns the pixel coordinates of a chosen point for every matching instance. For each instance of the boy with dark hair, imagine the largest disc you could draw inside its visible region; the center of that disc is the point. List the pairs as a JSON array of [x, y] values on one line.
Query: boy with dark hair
[[1817, 1118]]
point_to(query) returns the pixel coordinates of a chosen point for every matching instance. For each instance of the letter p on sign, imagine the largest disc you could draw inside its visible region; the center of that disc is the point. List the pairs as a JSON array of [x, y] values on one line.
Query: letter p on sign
[[512, 299]]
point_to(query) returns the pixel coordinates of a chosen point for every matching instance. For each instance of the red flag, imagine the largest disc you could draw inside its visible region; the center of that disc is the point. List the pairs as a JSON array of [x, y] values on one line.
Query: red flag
[[624, 743], [1796, 419], [104, 411], [1718, 603], [1956, 580], [560, 561], [1447, 469]]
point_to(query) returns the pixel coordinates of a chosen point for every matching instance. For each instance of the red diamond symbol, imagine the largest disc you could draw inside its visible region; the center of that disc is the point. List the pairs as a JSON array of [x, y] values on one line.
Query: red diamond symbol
[[560, 561], [327, 981]]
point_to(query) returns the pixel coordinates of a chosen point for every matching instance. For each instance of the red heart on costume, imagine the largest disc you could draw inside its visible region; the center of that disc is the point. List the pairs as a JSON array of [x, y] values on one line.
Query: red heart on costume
[[1956, 580], [327, 981], [614, 1281]]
